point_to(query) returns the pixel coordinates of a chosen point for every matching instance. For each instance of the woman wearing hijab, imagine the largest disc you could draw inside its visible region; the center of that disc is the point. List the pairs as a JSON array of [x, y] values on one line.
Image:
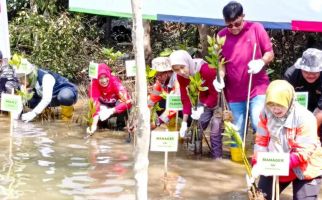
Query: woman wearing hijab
[[185, 66], [110, 98], [287, 127]]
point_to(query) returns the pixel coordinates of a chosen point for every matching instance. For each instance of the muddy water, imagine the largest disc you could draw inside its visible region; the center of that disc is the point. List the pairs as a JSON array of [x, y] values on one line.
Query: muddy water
[[54, 161]]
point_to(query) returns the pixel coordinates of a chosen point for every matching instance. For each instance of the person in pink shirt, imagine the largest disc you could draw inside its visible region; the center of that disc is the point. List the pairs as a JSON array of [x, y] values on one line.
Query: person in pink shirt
[[185, 66], [110, 97], [241, 37]]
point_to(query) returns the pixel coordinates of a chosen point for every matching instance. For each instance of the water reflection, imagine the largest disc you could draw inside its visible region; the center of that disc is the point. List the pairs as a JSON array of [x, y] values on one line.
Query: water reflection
[[54, 161], [50, 162]]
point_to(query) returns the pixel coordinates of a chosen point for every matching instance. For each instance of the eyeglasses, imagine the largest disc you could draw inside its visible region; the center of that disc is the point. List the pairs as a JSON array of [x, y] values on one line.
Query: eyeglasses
[[235, 24]]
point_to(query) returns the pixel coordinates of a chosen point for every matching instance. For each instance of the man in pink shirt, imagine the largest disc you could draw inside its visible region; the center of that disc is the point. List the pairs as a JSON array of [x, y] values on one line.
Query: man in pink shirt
[[241, 37]]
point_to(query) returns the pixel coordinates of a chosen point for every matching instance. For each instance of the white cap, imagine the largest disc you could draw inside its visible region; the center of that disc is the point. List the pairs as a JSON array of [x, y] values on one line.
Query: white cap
[[25, 68], [161, 64]]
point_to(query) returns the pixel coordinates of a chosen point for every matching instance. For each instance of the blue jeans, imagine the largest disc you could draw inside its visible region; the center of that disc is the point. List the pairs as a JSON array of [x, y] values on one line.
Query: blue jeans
[[238, 109]]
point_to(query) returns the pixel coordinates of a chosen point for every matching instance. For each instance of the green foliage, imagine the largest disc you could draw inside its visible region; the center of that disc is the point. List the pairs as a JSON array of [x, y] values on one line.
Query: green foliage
[[194, 88], [91, 110], [150, 74], [25, 95], [111, 55], [214, 50], [154, 115], [15, 60], [62, 43], [235, 138], [166, 52]]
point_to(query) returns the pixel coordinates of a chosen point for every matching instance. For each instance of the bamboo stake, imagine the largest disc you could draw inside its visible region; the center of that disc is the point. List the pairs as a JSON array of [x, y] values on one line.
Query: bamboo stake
[[248, 98]]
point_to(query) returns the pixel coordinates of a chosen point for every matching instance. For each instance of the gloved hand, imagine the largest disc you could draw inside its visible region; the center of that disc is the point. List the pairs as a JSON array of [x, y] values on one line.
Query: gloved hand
[[183, 129], [29, 116], [255, 174], [90, 130], [105, 113], [255, 66], [218, 86], [195, 114]]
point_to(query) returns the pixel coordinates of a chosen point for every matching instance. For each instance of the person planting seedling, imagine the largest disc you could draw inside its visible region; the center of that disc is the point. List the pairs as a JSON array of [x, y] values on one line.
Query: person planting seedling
[[166, 83], [48, 89], [110, 98], [203, 96]]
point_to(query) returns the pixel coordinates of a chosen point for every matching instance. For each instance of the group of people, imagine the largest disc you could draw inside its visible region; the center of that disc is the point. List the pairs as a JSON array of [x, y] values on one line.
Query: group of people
[[50, 89], [281, 124]]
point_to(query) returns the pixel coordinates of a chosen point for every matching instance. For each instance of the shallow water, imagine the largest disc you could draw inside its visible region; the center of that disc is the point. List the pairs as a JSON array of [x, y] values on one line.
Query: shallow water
[[54, 161]]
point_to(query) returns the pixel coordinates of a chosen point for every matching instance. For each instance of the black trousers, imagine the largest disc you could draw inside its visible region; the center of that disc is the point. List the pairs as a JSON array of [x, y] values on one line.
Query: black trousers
[[302, 189]]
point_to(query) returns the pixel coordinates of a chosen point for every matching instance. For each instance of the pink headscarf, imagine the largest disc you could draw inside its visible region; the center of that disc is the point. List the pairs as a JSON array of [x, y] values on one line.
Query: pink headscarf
[[182, 57]]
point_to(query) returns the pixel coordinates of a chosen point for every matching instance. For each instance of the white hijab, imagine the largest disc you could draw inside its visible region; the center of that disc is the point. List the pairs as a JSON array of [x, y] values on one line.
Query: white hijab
[[182, 57]]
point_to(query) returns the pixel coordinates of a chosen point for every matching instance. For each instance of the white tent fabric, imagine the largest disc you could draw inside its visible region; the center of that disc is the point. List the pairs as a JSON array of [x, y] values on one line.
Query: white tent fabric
[[305, 15], [4, 32]]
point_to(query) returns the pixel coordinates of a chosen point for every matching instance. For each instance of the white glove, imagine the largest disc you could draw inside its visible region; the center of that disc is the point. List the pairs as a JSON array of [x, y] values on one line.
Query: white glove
[[183, 129], [218, 86], [105, 113], [29, 116], [195, 114], [255, 66], [90, 130]]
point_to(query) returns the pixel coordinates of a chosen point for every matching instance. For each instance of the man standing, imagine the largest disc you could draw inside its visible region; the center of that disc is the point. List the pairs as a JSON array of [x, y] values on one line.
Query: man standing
[[241, 39], [305, 76]]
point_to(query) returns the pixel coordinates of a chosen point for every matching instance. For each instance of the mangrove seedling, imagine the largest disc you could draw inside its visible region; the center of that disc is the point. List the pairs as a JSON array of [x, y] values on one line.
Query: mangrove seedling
[[234, 138], [91, 110], [193, 89], [215, 59], [154, 113], [150, 74]]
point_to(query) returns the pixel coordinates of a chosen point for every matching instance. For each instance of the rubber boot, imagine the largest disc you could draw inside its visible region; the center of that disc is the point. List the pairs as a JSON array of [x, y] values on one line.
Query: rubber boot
[[66, 112]]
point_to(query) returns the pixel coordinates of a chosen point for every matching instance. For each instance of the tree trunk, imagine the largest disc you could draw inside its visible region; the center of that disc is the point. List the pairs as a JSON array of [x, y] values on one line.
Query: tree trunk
[[143, 129], [147, 41], [203, 32]]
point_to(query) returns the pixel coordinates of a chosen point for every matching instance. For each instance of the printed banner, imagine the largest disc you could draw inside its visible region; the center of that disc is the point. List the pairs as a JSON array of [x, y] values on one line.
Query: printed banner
[[302, 15]]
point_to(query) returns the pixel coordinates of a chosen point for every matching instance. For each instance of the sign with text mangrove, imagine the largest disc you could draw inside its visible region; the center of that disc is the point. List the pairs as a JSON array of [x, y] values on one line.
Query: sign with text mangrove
[[10, 102], [164, 141], [273, 164]]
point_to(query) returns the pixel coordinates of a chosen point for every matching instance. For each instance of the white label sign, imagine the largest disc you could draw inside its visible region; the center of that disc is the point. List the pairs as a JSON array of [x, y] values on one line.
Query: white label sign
[[164, 141], [130, 66], [93, 70], [10, 102], [174, 102], [273, 164]]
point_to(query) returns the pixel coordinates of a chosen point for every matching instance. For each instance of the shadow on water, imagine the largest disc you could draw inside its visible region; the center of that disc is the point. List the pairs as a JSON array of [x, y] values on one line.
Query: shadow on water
[[54, 161]]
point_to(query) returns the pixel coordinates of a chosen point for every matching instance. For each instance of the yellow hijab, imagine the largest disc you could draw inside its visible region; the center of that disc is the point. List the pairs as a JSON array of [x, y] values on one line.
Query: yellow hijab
[[280, 92]]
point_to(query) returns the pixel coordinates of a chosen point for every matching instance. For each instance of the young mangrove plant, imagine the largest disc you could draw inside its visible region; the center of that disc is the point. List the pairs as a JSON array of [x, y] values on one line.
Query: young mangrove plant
[[150, 74], [215, 59], [194, 88], [234, 138], [91, 110]]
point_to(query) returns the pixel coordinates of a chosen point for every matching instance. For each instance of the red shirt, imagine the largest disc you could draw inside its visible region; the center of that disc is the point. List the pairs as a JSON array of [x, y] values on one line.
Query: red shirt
[[208, 98]]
